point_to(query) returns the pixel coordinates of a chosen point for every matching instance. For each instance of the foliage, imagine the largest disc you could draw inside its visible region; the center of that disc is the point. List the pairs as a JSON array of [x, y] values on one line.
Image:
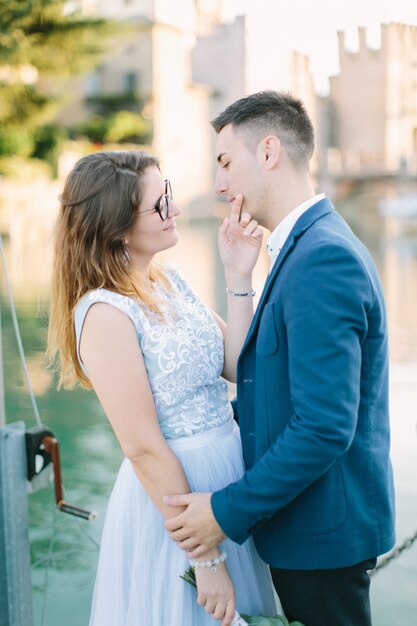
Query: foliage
[[22, 107], [40, 33], [23, 169], [48, 141], [121, 127], [125, 127], [260, 620], [15, 140], [39, 39], [95, 128], [111, 103]]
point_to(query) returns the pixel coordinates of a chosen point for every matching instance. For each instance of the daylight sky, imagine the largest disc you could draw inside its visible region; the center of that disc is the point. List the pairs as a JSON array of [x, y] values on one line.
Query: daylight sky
[[310, 26]]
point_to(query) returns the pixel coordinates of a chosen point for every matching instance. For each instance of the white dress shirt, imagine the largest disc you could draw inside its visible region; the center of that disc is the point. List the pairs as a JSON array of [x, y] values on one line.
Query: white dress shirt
[[280, 235]]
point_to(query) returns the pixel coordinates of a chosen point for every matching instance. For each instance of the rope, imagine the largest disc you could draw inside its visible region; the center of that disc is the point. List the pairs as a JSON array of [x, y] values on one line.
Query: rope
[[18, 336], [46, 571], [394, 554], [49, 557]]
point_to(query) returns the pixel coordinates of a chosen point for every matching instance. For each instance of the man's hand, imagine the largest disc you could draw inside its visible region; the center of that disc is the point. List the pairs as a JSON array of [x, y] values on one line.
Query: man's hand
[[195, 530], [240, 240]]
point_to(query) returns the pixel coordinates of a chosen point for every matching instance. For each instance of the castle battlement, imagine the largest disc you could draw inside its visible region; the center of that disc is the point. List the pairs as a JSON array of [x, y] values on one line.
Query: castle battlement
[[402, 35], [375, 99]]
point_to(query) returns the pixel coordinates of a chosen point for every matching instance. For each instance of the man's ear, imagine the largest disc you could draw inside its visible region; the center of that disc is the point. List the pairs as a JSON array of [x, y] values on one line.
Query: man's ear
[[271, 151]]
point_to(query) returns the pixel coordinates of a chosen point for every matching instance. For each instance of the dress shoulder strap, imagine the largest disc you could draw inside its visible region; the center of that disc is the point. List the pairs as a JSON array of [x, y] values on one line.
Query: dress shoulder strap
[[123, 303]]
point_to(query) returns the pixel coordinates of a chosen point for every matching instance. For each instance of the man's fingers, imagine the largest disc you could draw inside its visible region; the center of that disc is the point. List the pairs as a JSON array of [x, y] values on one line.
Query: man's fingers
[[187, 544], [178, 500], [258, 233], [176, 526], [224, 226], [178, 533], [235, 210], [251, 227], [245, 218], [197, 552]]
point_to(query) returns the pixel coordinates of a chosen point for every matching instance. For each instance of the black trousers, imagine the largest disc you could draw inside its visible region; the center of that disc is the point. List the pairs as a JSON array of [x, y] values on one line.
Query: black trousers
[[328, 597]]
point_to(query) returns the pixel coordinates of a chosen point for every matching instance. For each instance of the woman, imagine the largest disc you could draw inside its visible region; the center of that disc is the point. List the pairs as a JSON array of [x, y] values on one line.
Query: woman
[[154, 355]]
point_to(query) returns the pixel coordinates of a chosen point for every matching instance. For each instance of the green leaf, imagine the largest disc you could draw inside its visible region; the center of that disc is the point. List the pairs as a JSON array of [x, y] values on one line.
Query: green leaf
[[189, 577], [261, 620]]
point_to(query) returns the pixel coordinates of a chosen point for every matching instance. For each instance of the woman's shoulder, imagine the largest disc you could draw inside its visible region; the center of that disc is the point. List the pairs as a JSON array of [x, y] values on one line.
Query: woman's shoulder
[[173, 273], [178, 280], [102, 295], [120, 301]]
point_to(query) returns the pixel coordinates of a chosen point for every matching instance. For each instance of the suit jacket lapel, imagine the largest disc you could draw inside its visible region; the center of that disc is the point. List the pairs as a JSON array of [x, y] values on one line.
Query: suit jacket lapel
[[305, 221]]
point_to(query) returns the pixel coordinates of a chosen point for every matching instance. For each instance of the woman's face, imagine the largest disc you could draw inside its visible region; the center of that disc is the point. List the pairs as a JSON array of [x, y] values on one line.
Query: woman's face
[[150, 234]]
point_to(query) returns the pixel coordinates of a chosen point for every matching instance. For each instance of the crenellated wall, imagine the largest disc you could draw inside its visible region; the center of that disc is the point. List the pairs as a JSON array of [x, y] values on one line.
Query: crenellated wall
[[374, 98]]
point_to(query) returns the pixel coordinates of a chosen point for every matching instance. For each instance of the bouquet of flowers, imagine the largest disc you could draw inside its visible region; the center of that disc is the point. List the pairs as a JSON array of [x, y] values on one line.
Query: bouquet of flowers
[[245, 620]]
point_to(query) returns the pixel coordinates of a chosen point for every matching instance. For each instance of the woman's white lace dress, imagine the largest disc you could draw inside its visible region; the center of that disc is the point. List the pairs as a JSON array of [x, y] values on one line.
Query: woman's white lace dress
[[138, 578]]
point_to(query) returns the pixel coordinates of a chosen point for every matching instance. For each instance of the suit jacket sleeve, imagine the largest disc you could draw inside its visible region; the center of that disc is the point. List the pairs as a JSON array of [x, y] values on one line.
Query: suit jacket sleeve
[[325, 302]]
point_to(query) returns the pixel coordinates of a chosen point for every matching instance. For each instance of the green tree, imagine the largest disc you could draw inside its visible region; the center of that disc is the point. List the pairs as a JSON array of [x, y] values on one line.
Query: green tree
[[38, 38], [120, 127]]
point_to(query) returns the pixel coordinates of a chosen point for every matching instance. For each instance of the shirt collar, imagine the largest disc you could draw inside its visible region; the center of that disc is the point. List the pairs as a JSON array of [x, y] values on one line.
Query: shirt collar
[[279, 236]]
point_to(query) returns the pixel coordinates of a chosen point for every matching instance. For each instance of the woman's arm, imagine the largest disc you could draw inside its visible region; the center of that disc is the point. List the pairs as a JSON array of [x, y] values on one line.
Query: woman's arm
[[111, 353], [240, 240], [239, 317]]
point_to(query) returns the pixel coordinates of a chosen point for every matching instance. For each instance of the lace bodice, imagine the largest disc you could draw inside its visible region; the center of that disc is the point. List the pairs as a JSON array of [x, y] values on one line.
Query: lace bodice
[[183, 355]]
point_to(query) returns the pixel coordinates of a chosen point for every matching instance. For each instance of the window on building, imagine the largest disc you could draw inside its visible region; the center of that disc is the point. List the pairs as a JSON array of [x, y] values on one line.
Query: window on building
[[130, 81], [93, 84]]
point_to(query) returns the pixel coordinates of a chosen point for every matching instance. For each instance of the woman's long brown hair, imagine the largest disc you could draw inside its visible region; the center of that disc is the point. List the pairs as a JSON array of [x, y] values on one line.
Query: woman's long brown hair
[[99, 205]]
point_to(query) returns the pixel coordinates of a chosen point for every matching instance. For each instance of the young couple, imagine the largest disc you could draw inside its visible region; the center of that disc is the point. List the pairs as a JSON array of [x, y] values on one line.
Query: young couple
[[312, 496]]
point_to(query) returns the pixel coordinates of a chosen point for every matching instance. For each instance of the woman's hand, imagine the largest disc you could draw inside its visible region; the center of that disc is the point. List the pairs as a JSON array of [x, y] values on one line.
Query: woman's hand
[[240, 239], [216, 593]]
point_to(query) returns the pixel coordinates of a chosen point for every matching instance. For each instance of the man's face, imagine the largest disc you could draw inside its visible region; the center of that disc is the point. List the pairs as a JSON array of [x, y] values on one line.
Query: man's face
[[238, 170]]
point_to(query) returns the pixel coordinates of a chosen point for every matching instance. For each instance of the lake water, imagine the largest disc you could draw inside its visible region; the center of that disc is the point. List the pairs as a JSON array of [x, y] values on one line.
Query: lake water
[[64, 550]]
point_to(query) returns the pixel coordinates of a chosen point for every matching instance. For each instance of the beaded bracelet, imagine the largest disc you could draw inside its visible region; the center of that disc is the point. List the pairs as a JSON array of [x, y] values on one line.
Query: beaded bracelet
[[211, 563], [230, 292]]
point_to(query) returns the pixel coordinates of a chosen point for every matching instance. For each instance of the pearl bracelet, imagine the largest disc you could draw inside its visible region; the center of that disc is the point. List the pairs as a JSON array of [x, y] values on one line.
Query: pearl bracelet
[[230, 292], [211, 563]]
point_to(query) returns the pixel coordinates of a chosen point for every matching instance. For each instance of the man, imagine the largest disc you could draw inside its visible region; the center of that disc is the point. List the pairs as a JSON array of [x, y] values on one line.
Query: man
[[312, 383]]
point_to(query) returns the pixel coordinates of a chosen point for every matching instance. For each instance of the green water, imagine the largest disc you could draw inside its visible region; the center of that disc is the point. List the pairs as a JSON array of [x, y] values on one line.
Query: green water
[[64, 550]]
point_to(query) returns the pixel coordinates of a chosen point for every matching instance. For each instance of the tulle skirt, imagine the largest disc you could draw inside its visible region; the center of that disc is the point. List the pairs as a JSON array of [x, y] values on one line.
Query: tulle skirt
[[138, 578]]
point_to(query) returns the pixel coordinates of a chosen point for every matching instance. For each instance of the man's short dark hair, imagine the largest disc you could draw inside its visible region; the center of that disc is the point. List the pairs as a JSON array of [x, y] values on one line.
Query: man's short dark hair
[[276, 113]]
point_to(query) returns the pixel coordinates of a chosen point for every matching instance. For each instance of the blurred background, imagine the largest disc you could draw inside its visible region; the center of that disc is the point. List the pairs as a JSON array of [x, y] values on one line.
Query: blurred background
[[78, 76]]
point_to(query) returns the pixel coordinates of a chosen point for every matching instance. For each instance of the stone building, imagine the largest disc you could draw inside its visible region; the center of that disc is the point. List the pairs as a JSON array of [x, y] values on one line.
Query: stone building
[[154, 60], [302, 85], [374, 101], [187, 66], [219, 61]]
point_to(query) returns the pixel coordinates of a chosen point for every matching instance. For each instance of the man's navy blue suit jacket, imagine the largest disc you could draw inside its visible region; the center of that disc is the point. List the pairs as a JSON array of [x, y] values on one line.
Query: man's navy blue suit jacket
[[312, 406]]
